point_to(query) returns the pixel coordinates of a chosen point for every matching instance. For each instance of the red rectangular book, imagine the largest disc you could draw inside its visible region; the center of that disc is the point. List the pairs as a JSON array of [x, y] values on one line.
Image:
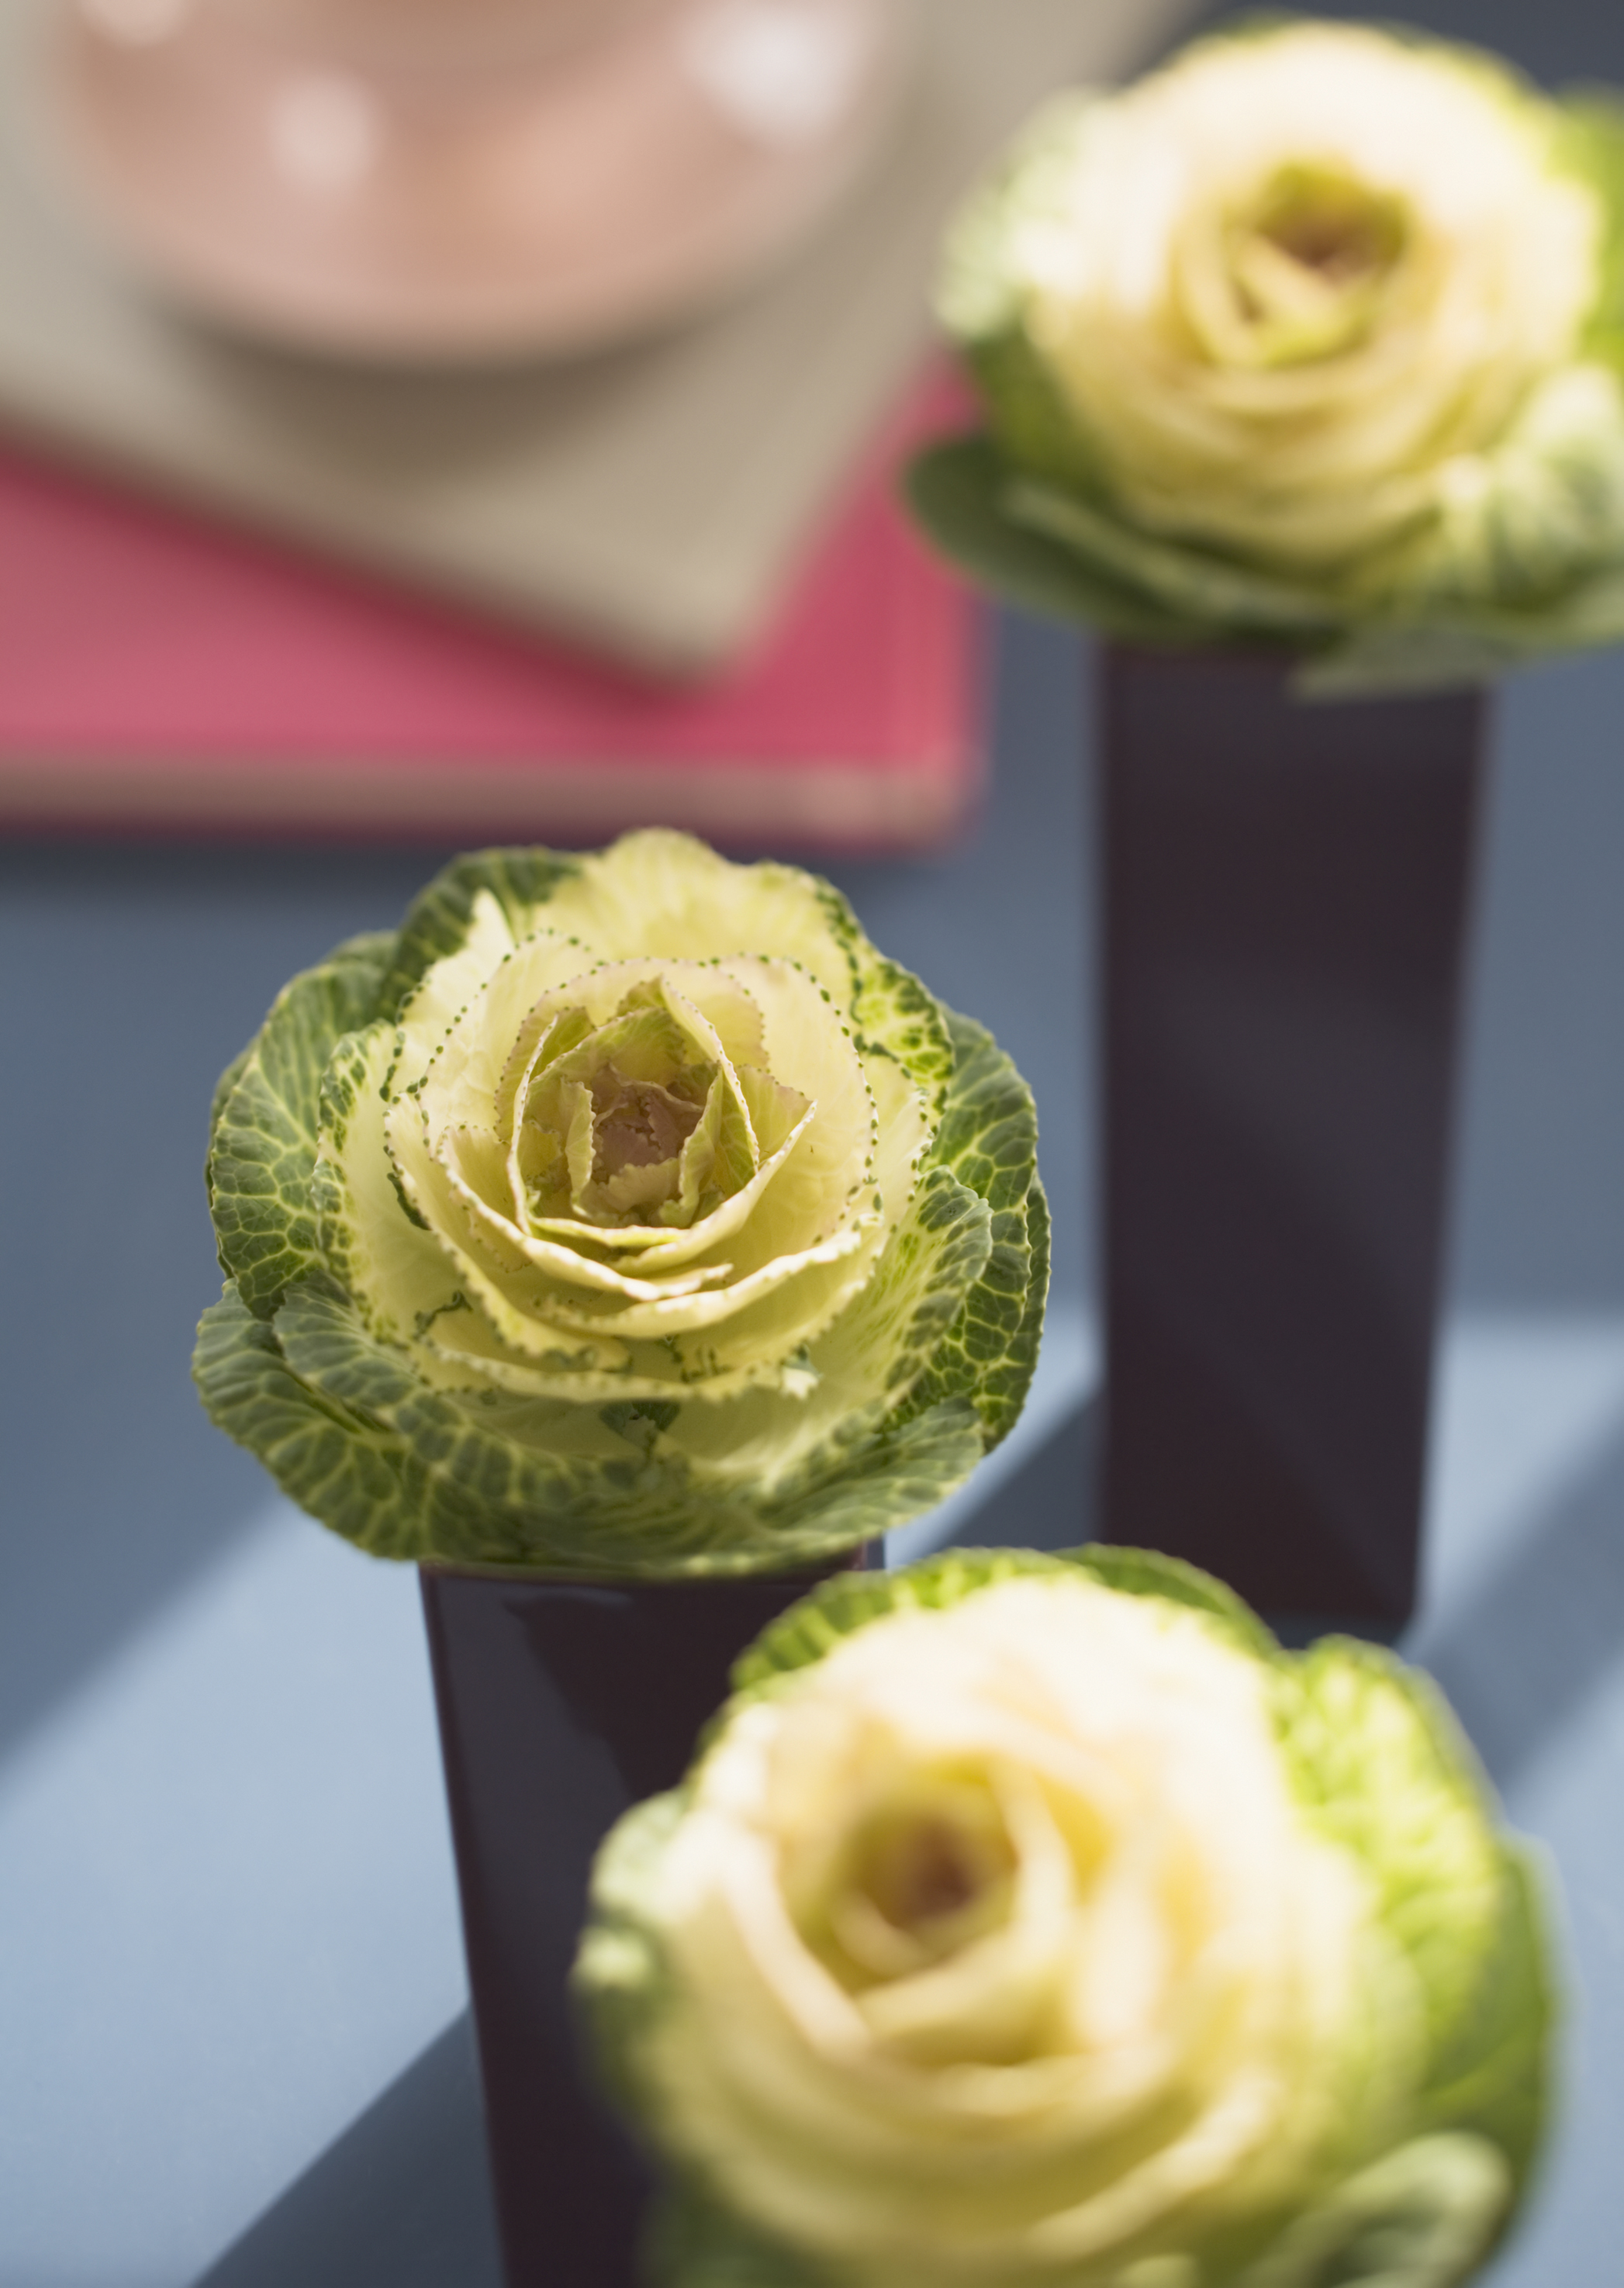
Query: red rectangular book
[[158, 672]]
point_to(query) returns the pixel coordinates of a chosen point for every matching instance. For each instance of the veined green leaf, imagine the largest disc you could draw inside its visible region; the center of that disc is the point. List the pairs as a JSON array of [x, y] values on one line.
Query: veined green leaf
[[353, 1434], [988, 1138], [839, 1607], [501, 1484], [989, 1134], [1147, 1573], [334, 1458], [521, 881], [891, 1010], [862, 1369], [223, 1088], [1385, 1770], [869, 1485], [263, 1145]]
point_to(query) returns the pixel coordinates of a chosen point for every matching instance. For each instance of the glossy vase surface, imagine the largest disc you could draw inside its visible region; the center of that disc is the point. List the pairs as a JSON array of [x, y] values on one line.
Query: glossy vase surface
[[1286, 886], [561, 1705]]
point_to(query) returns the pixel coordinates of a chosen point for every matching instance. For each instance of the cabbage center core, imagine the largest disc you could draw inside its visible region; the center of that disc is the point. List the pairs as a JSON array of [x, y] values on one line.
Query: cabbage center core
[[1309, 263], [638, 1125], [914, 1880], [628, 1122]]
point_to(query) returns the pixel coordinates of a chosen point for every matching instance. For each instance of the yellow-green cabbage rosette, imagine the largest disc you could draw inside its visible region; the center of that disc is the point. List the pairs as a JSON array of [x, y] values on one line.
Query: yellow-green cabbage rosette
[[626, 1213], [1314, 336], [1036, 1922]]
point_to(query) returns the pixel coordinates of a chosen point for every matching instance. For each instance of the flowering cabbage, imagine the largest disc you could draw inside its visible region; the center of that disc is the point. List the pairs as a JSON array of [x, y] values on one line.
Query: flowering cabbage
[[1316, 337], [1037, 1922], [627, 1212]]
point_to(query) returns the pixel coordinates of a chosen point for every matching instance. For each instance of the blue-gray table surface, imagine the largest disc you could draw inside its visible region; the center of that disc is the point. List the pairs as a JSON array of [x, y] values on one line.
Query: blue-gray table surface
[[232, 2031]]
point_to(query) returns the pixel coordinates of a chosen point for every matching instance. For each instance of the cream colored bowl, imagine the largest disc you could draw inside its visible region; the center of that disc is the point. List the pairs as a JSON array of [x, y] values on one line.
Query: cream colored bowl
[[459, 179]]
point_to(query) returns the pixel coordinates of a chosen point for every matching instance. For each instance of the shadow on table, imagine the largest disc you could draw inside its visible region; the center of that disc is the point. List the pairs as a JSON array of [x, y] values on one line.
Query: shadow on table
[[1519, 1656], [402, 2200]]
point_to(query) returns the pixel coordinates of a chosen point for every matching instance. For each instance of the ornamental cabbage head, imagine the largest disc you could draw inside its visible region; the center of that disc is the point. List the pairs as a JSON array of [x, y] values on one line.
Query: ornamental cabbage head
[[1037, 1922], [1313, 337], [626, 1213]]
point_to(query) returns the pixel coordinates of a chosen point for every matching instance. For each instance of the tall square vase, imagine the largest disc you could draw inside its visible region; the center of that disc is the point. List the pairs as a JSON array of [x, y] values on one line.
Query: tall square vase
[[561, 1703], [1286, 894]]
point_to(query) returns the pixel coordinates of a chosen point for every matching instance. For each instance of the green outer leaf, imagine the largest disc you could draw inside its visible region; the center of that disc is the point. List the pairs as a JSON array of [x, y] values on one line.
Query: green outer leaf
[[959, 493], [338, 1461], [478, 1493], [1424, 2214], [350, 1432], [1191, 583], [988, 1138], [891, 1010], [1147, 1573], [989, 1134], [1592, 145], [439, 1474], [1382, 1769], [1033, 427], [956, 494], [1494, 2075], [520, 881], [1027, 1340], [223, 1088], [263, 1140], [839, 1607], [619, 1974], [1464, 644], [508, 1482], [904, 1470]]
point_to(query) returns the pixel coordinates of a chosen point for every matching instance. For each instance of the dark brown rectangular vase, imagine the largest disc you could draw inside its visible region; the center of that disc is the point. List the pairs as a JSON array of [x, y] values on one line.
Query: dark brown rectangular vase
[[561, 1703], [1286, 888]]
